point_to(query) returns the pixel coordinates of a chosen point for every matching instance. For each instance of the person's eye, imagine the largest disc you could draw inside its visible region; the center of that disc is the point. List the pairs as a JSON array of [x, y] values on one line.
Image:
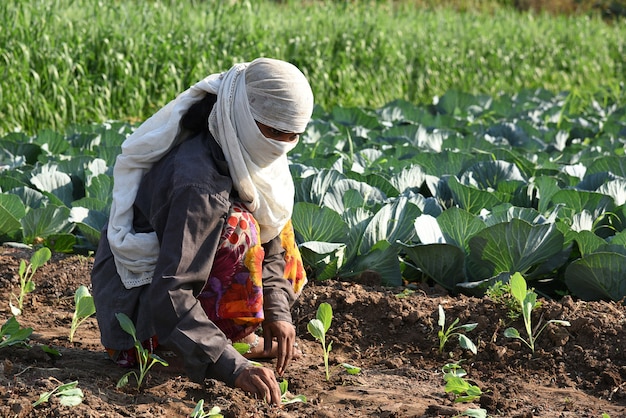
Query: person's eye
[[275, 132]]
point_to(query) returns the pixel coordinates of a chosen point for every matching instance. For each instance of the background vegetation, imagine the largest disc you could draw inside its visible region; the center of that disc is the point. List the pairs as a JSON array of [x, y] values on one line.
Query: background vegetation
[[81, 61]]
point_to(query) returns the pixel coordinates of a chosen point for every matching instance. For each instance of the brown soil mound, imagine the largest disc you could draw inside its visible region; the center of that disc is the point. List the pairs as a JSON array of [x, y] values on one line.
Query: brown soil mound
[[578, 371]]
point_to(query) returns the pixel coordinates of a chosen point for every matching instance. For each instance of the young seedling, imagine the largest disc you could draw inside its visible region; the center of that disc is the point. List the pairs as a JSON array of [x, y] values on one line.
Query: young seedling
[[53, 353], [405, 293], [68, 394], [145, 359], [198, 411], [12, 334], [83, 309], [454, 330], [242, 348], [454, 369], [318, 327], [527, 300], [26, 272], [464, 391], [284, 400], [350, 369]]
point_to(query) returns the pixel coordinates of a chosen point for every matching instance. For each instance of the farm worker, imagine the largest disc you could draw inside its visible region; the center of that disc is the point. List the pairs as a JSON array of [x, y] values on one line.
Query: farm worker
[[199, 250]]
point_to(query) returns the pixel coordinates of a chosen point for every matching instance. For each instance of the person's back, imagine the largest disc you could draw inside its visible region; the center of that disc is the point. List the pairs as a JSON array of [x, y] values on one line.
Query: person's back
[[197, 164]]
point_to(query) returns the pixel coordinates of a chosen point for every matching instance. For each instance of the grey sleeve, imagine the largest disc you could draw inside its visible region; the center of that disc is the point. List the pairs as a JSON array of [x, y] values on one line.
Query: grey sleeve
[[278, 294], [191, 231]]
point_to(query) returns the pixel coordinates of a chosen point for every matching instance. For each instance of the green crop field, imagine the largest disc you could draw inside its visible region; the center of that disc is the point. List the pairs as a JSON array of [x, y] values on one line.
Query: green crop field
[[80, 61], [456, 144]]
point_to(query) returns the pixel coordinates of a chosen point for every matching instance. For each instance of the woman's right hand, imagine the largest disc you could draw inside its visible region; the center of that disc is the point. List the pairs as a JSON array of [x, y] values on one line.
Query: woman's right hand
[[260, 382]]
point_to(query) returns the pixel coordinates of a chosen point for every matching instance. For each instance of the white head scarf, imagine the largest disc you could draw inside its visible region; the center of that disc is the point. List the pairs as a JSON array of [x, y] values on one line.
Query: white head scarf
[[272, 92]]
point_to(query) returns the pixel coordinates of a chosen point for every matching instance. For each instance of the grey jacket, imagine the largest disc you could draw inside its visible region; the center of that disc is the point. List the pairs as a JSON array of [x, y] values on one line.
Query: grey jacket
[[185, 198]]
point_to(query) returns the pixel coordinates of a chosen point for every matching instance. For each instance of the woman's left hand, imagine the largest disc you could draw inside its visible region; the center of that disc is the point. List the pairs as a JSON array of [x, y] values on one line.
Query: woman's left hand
[[285, 335]]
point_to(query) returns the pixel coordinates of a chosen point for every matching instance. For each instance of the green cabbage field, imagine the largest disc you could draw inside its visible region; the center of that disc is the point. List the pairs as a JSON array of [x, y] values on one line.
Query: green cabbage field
[[453, 147], [463, 192]]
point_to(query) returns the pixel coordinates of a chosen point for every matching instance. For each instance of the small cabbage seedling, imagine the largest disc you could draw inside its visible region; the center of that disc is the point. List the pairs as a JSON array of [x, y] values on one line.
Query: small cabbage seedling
[[284, 399], [527, 300], [145, 359], [198, 411], [464, 391], [350, 369], [242, 348], [454, 330], [454, 369], [68, 393], [405, 293], [26, 272], [318, 327], [83, 309], [12, 334], [53, 353]]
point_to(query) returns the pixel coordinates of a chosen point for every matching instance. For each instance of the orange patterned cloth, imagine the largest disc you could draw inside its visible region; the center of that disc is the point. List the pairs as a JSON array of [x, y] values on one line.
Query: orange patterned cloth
[[294, 269], [233, 295]]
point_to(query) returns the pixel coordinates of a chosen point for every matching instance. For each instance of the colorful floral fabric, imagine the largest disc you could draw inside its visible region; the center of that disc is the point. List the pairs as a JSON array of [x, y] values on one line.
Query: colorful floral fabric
[[233, 295], [294, 269]]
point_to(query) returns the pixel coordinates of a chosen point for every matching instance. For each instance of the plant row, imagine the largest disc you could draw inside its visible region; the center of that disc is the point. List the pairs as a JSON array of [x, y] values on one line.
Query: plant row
[[467, 191], [12, 334], [463, 192]]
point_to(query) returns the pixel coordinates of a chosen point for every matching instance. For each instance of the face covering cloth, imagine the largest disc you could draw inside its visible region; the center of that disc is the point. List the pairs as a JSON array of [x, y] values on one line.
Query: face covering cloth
[[270, 91]]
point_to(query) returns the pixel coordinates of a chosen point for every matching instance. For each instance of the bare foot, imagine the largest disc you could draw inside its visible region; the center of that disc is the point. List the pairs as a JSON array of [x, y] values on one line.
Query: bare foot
[[256, 348]]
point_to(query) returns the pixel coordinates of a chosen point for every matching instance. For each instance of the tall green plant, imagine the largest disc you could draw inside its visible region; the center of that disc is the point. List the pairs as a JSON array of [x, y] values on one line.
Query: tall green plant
[[145, 359], [445, 333], [138, 71], [318, 327], [26, 272], [84, 307], [12, 333], [527, 301]]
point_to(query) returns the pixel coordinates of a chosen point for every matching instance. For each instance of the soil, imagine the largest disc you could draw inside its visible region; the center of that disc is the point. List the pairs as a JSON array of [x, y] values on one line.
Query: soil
[[576, 371]]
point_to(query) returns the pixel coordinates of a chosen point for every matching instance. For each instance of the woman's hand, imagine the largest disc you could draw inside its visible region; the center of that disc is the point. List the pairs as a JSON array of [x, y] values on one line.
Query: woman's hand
[[260, 382], [285, 335]]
